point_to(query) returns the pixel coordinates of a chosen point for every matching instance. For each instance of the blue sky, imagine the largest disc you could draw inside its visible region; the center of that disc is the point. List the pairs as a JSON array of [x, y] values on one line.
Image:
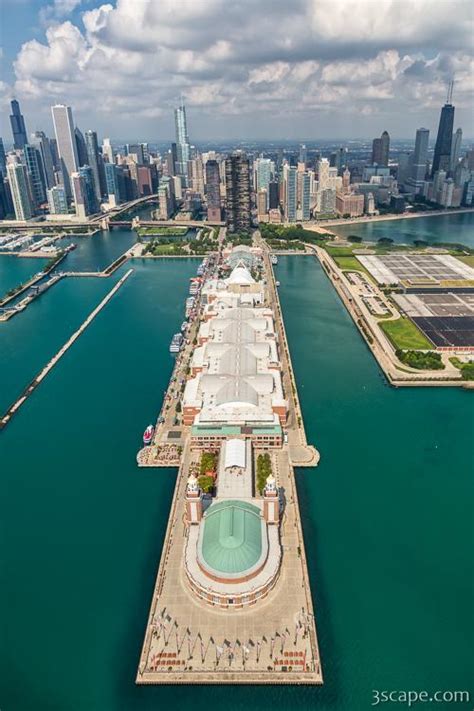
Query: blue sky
[[247, 69]]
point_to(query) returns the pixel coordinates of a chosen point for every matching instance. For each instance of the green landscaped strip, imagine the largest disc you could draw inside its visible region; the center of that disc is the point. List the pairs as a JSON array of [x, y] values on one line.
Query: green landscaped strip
[[467, 259], [349, 264], [403, 334]]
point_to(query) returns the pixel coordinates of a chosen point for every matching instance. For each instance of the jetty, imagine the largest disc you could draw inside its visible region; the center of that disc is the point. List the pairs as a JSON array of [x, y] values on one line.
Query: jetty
[[255, 626], [31, 387]]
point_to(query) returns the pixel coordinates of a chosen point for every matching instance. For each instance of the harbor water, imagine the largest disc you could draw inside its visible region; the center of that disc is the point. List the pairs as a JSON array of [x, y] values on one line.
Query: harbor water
[[387, 515]]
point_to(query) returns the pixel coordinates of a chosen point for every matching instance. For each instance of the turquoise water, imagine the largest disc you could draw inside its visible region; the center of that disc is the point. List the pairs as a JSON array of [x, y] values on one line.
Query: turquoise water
[[458, 227], [17, 270], [97, 252], [387, 515]]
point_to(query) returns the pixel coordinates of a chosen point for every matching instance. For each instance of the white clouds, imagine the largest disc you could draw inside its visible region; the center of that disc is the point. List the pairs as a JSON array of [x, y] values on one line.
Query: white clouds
[[231, 58]]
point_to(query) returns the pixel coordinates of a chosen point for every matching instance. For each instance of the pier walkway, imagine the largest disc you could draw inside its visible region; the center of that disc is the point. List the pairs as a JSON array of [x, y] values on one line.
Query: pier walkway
[[13, 409]]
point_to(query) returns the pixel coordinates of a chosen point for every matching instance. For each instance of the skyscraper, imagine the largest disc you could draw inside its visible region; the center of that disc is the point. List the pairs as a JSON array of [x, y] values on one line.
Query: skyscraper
[[108, 151], [290, 175], [94, 160], [3, 161], [18, 180], [213, 192], [263, 171], [43, 144], [381, 149], [456, 149], [18, 126], [82, 158], [34, 166], [444, 139], [419, 159], [66, 142], [112, 180], [90, 197], [182, 140], [237, 180]]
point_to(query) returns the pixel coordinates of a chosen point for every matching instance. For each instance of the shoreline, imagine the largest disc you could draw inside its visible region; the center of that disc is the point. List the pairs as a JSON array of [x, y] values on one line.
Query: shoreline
[[317, 227]]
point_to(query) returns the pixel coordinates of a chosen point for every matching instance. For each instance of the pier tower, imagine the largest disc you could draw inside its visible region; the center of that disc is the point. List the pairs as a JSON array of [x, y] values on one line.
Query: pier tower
[[271, 504], [193, 501]]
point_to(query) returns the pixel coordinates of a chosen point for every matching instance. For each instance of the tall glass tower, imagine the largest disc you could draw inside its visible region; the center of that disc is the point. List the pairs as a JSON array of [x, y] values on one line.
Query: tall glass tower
[[444, 139], [182, 140], [66, 142], [18, 126]]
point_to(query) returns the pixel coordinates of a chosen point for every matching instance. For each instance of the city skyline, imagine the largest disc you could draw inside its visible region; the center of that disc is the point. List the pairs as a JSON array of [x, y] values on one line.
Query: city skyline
[[289, 73]]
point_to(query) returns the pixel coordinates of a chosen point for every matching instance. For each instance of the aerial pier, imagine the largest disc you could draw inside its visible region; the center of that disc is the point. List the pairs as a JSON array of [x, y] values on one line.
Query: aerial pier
[[31, 387], [232, 601]]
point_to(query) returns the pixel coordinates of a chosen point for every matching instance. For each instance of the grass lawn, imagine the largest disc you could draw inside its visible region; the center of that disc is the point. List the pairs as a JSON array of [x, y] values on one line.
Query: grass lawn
[[349, 264], [403, 334]]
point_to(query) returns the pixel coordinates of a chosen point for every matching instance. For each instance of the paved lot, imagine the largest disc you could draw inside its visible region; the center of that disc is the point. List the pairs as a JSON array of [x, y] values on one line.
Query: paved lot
[[395, 268]]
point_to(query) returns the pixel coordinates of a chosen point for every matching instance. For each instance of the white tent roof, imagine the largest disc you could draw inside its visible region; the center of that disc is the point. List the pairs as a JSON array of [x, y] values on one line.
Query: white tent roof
[[235, 453], [240, 275]]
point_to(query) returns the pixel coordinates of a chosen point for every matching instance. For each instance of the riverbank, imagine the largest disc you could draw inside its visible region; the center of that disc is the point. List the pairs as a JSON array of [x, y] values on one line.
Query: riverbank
[[321, 227]]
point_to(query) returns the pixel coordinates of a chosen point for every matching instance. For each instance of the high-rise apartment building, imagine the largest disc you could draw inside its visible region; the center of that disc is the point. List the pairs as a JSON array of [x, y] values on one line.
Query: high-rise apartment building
[[57, 200], [17, 122], [34, 166], [444, 139], [290, 178], [66, 143], [20, 190], [237, 180], [263, 173], [213, 191]]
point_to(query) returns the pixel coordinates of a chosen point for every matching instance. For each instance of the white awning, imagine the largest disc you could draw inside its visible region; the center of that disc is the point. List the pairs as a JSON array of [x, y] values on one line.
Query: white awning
[[234, 453]]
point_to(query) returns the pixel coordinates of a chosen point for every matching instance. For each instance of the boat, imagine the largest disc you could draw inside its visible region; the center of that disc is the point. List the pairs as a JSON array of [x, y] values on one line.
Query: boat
[[184, 326], [148, 435], [277, 283], [176, 343], [274, 259]]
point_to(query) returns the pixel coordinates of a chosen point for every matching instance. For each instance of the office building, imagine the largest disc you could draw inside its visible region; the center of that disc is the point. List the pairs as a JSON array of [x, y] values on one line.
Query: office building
[[237, 180], [20, 189], [43, 144], [94, 161], [57, 200], [66, 143], [3, 161], [82, 158], [381, 149], [444, 139], [17, 122], [456, 149], [419, 159], [306, 196], [351, 205], [107, 151], [213, 192]]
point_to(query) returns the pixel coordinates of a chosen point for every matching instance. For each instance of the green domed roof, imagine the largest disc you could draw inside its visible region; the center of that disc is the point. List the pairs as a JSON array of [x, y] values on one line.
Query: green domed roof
[[231, 540]]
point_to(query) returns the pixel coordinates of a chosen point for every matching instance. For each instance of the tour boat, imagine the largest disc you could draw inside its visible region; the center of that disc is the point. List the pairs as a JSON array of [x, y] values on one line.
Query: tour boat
[[176, 343], [274, 259], [184, 326], [148, 435]]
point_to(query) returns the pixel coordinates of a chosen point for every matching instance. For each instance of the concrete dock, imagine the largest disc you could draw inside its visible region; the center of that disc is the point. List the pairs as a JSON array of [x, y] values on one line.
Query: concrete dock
[[272, 642]]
